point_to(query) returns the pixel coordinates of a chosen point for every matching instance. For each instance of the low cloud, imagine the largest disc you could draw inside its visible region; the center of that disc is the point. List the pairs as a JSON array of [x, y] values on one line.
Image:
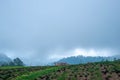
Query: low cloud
[[43, 31]]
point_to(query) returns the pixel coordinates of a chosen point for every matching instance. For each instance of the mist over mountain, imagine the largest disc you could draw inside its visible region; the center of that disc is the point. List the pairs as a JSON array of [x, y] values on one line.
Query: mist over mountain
[[42, 31], [86, 59], [4, 59]]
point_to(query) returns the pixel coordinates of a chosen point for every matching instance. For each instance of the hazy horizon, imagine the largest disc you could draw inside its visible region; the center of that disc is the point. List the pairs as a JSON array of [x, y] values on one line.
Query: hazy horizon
[[44, 31]]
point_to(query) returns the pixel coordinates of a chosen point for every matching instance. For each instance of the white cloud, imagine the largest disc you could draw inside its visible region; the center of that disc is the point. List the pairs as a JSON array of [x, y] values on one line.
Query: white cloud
[[92, 52], [79, 51]]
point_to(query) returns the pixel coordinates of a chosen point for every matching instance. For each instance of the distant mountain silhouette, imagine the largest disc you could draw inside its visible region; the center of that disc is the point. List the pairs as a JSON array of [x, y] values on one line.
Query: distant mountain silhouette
[[4, 59], [83, 59]]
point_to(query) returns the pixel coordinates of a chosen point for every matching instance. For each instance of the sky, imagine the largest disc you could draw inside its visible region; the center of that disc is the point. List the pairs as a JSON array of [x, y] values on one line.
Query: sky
[[42, 31]]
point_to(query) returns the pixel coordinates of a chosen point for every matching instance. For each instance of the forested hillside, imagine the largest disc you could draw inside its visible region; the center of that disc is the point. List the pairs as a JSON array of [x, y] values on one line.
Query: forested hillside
[[83, 59]]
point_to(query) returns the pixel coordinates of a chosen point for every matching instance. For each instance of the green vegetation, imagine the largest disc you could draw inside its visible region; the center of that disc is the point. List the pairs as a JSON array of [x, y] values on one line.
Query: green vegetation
[[11, 67], [109, 70], [33, 75], [9, 73]]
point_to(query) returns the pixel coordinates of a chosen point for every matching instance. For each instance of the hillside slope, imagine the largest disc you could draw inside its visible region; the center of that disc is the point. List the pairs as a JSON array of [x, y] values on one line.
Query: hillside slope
[[4, 59], [91, 71], [83, 59]]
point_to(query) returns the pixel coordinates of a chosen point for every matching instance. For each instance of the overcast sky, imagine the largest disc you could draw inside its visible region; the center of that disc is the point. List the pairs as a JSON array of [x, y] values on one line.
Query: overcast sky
[[41, 31]]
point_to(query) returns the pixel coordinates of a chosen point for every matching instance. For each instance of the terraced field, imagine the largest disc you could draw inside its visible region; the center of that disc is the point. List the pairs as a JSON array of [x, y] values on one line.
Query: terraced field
[[91, 71]]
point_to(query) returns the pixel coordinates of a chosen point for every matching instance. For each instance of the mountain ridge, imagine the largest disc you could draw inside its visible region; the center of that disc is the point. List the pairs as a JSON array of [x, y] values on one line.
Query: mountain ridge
[[4, 59], [86, 59]]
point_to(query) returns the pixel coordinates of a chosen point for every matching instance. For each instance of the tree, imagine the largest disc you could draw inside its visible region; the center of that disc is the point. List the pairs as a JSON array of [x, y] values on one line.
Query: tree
[[18, 62]]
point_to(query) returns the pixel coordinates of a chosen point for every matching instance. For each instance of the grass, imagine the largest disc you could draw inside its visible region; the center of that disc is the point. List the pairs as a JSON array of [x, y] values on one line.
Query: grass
[[62, 77], [12, 67], [36, 74]]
